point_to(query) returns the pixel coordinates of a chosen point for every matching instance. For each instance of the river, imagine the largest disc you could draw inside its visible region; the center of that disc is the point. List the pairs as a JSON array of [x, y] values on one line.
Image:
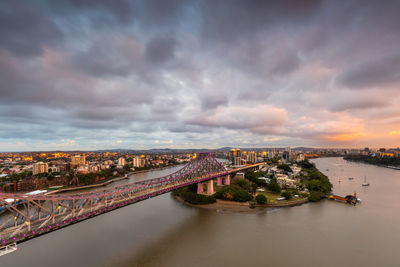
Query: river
[[163, 232]]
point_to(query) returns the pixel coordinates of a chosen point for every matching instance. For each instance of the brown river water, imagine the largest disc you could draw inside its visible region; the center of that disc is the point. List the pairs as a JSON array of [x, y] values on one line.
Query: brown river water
[[163, 232]]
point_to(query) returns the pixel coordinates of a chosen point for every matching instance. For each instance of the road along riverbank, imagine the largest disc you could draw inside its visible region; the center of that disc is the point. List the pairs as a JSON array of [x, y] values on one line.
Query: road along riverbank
[[113, 180]]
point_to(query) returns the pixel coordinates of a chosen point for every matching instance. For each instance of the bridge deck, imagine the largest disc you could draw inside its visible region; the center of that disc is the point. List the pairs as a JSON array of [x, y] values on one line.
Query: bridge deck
[[40, 214]]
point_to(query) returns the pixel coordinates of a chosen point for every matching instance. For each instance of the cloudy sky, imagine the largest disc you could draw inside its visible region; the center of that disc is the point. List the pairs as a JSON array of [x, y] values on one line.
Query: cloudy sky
[[86, 74]]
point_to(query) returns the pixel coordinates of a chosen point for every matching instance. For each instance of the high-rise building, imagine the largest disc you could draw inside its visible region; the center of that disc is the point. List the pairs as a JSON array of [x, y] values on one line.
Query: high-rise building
[[121, 161], [235, 156], [40, 167], [237, 161], [138, 162], [285, 157], [78, 160], [251, 157]]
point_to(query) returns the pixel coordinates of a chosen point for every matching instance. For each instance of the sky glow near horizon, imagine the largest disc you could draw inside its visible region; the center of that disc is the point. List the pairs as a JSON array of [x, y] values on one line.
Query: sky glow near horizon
[[198, 74]]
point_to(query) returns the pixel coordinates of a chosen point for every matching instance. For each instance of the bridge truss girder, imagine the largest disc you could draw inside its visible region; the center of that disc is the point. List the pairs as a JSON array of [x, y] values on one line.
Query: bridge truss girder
[[29, 216]]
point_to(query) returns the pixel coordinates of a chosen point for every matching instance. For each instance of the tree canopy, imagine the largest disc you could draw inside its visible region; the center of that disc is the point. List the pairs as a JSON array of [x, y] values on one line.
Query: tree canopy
[[285, 167]]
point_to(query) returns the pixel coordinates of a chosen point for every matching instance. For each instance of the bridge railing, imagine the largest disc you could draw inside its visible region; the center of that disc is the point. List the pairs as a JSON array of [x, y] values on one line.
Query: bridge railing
[[191, 167], [28, 215]]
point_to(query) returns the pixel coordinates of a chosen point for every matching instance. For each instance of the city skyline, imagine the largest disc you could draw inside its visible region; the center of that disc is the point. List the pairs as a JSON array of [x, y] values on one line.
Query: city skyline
[[189, 74]]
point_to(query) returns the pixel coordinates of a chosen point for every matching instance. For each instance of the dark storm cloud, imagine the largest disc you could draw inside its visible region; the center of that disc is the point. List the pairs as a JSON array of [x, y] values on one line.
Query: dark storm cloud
[[121, 10], [15, 84], [160, 50], [25, 29], [288, 63], [373, 73], [162, 13], [110, 57], [213, 102], [233, 20], [357, 102], [175, 71]]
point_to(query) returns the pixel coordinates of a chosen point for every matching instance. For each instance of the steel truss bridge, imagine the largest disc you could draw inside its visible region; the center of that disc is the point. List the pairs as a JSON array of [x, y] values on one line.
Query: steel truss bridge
[[29, 216]]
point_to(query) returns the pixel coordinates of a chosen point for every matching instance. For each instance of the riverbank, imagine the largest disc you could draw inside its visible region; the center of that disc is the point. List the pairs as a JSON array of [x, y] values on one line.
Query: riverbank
[[78, 188], [241, 207], [156, 169], [386, 162]]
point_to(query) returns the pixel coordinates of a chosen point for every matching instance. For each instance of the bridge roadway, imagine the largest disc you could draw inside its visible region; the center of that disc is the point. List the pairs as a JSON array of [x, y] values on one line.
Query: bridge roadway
[[45, 213], [246, 167], [90, 211]]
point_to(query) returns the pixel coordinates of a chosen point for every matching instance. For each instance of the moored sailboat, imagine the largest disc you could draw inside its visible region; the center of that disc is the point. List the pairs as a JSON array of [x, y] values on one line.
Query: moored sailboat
[[365, 181]]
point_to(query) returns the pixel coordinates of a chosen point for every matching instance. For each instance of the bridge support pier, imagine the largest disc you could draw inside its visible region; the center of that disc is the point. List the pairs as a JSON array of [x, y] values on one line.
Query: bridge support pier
[[200, 188], [206, 188], [227, 180], [219, 181]]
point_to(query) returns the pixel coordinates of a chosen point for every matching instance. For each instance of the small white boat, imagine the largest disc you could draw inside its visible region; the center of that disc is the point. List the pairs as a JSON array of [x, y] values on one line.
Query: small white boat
[[8, 249], [365, 181]]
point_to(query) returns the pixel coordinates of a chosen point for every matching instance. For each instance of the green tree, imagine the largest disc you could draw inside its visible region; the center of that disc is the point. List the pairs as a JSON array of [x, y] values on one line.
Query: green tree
[[192, 188], [315, 196], [261, 199], [86, 178], [285, 167], [273, 186], [242, 196], [193, 198], [305, 164], [243, 183], [251, 176], [254, 187], [127, 167], [316, 182], [314, 185], [286, 194]]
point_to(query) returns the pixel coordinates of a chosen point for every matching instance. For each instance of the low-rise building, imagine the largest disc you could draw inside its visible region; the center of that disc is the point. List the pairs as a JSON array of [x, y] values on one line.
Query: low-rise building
[[284, 181], [265, 179], [54, 169]]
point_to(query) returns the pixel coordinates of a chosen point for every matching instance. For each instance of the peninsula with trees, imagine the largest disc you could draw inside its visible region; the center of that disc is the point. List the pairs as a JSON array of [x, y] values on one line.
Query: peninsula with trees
[[275, 184]]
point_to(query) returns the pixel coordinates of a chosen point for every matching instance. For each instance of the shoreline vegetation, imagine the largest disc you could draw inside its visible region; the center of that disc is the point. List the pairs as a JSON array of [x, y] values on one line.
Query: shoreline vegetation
[[385, 161], [249, 193], [239, 207]]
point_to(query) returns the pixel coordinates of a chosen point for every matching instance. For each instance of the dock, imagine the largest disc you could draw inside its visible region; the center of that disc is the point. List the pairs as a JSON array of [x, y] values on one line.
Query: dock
[[350, 199]]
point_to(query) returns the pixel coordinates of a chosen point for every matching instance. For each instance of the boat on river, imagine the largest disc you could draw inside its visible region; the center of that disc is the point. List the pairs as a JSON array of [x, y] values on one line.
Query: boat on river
[[393, 167], [365, 182]]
